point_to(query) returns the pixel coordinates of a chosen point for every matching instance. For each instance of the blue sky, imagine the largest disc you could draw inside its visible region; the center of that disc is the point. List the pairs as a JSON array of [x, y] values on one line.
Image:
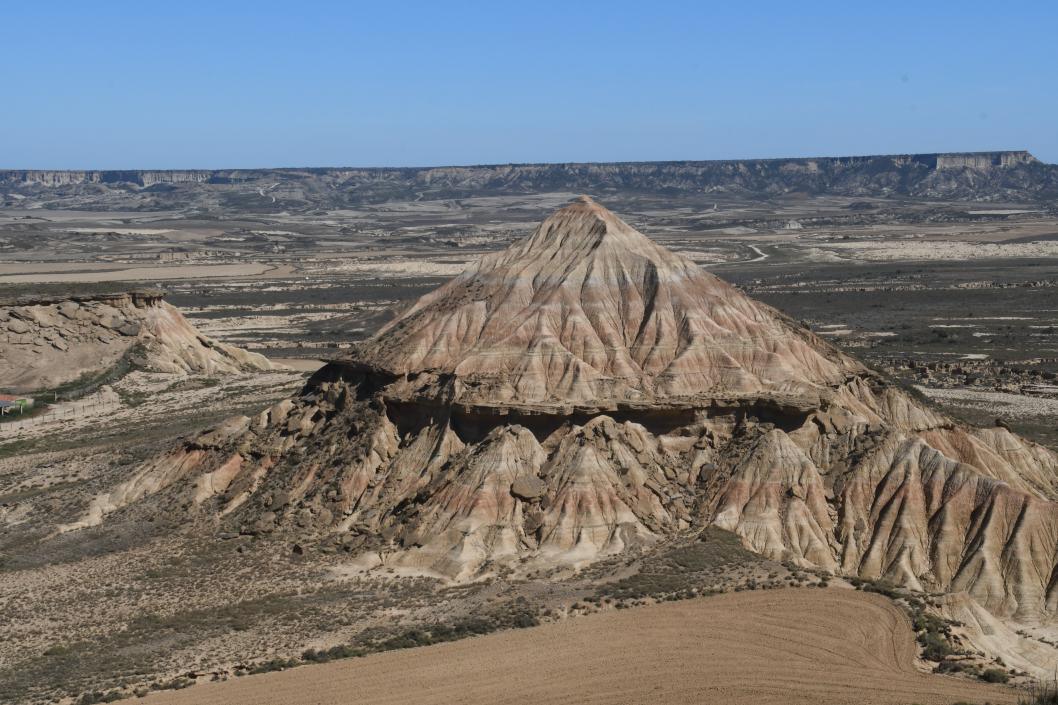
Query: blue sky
[[254, 84]]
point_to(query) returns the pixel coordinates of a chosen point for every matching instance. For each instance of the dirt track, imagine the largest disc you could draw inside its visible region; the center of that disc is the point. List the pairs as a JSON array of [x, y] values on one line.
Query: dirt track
[[783, 646]]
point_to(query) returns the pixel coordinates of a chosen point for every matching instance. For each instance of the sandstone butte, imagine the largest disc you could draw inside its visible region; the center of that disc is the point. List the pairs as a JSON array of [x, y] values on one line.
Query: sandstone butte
[[587, 390], [53, 341]]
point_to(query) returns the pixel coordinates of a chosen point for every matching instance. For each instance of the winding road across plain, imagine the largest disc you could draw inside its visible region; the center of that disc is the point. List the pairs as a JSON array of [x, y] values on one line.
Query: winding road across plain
[[810, 646]]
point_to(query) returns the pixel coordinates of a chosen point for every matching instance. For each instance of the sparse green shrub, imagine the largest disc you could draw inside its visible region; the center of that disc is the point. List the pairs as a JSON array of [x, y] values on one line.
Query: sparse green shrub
[[275, 664], [680, 572], [518, 615], [955, 667], [934, 646], [994, 675]]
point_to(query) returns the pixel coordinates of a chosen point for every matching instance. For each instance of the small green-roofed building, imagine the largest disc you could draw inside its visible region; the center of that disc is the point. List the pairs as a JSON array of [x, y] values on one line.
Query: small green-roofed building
[[10, 403]]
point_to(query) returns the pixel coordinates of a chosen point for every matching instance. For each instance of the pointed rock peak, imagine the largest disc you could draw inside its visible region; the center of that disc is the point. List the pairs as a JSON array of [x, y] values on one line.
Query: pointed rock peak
[[583, 204], [588, 311], [585, 224], [586, 206]]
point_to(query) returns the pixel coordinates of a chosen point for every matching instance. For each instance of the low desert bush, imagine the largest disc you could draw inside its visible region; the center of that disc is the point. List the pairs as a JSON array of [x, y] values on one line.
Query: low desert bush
[[994, 675]]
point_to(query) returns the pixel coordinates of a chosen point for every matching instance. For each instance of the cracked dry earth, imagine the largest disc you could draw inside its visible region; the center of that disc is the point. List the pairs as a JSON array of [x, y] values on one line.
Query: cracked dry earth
[[810, 646]]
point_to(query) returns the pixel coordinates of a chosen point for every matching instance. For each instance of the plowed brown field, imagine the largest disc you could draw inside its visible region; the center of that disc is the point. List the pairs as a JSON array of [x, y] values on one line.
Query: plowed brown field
[[812, 646]]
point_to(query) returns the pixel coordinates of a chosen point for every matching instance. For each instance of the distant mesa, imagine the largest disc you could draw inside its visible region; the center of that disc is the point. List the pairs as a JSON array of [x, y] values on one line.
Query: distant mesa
[[1002, 175]]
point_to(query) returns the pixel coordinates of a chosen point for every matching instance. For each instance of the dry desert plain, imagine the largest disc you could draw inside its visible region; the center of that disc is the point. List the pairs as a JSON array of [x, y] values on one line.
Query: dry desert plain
[[783, 647], [956, 299]]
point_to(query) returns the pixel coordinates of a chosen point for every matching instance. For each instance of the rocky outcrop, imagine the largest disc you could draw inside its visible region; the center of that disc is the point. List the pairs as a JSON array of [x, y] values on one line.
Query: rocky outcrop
[[49, 342], [983, 160], [587, 391]]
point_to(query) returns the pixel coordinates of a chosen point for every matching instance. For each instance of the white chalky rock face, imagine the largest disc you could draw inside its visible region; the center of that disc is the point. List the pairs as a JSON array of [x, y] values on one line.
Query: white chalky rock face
[[586, 391]]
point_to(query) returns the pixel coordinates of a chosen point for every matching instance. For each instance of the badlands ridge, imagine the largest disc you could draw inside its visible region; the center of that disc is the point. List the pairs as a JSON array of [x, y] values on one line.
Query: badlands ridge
[[54, 341], [586, 391]]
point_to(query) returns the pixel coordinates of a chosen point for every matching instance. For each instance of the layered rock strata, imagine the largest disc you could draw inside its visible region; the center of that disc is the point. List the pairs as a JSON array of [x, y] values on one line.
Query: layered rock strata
[[50, 342], [586, 391]]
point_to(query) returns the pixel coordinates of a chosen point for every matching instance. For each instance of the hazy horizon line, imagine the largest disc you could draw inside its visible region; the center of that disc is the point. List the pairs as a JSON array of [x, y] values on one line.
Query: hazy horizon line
[[468, 165]]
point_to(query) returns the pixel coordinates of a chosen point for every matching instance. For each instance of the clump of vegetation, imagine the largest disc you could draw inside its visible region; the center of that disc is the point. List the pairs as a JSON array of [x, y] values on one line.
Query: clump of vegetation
[[994, 675], [335, 652], [97, 696], [933, 633], [956, 667], [518, 615], [192, 383], [57, 650], [178, 683], [133, 398], [275, 664], [680, 572]]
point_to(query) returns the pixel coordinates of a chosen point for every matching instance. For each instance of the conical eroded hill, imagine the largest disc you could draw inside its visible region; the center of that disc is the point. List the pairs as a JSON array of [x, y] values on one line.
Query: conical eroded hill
[[587, 310], [586, 391]]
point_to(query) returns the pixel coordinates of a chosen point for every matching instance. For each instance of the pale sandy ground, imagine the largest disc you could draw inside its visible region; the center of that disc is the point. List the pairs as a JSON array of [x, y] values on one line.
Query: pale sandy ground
[[191, 271], [1017, 405], [398, 268], [301, 364], [897, 250], [811, 646]]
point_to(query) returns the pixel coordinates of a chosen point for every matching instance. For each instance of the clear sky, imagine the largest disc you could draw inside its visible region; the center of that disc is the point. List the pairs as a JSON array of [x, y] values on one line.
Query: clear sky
[[226, 83]]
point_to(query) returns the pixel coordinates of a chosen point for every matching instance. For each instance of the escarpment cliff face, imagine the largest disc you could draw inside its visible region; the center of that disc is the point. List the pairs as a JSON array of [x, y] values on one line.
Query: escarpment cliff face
[[134, 178], [1008, 175], [587, 391], [50, 342]]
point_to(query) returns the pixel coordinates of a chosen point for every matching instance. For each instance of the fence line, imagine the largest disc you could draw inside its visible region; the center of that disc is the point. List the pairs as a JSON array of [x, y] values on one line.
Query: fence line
[[69, 410]]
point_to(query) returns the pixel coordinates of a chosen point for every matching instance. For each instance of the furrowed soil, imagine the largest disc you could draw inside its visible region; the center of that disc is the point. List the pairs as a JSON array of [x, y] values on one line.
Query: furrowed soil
[[809, 646]]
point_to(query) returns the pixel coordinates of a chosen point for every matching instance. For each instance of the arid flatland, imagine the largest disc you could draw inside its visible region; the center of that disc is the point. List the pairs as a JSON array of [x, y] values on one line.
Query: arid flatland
[[782, 647], [545, 453]]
